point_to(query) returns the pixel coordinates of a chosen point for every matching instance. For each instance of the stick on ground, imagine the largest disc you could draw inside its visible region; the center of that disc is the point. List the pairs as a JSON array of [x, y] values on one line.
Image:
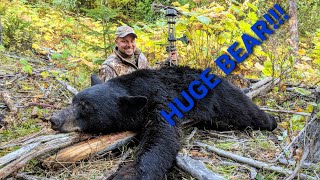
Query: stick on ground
[[251, 162], [4, 95]]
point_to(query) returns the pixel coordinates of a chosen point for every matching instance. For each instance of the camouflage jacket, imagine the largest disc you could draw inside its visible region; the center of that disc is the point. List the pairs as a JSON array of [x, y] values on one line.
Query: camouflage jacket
[[116, 65]]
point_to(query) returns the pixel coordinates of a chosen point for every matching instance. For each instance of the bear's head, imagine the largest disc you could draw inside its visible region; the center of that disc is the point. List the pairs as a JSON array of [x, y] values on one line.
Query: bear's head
[[101, 108]]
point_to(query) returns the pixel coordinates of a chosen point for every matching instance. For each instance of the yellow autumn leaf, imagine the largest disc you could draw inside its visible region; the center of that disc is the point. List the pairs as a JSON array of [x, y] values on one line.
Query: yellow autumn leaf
[[301, 52], [284, 125], [36, 46], [47, 37]]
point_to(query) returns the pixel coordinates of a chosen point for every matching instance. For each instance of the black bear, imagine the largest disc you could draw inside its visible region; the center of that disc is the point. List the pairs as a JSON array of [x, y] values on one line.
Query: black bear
[[134, 102]]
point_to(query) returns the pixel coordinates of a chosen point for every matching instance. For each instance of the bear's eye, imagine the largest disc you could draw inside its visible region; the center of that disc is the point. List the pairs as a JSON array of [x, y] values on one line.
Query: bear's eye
[[84, 106]]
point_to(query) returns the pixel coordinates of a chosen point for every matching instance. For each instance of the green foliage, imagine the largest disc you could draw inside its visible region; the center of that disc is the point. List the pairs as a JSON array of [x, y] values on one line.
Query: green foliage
[[308, 17], [105, 15], [26, 66], [17, 32], [19, 130], [316, 50], [66, 4]]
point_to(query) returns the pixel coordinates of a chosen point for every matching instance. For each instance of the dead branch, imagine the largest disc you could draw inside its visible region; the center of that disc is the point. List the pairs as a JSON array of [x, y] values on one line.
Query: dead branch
[[36, 152], [294, 139], [196, 168], [191, 135], [295, 171], [38, 146], [260, 83], [16, 154], [263, 89], [285, 111], [311, 140], [251, 162], [4, 95], [305, 165], [68, 87], [84, 150]]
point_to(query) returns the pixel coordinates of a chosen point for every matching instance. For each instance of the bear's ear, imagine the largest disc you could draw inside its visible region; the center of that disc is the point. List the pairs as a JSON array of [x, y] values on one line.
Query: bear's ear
[[132, 104], [95, 80]]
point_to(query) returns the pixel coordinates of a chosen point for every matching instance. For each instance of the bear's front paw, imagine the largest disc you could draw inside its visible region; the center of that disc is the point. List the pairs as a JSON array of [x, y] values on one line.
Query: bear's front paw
[[126, 172]]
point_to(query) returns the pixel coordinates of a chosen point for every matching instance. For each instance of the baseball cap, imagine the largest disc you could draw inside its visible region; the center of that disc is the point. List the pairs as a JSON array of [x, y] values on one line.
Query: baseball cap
[[122, 31]]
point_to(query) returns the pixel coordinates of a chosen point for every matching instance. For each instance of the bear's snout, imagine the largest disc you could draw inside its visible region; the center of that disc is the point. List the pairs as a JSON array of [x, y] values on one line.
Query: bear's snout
[[65, 120], [55, 123], [273, 123]]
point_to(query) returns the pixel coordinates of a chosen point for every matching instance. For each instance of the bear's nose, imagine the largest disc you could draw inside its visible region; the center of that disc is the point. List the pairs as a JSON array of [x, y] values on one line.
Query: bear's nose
[[55, 123]]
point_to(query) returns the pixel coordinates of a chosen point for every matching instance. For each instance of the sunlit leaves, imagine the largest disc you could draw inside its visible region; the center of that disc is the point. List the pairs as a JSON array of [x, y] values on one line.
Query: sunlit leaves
[[267, 70], [253, 7]]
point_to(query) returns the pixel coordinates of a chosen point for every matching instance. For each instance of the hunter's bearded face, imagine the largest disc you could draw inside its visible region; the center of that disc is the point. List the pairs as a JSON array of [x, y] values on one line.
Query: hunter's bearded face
[[127, 44]]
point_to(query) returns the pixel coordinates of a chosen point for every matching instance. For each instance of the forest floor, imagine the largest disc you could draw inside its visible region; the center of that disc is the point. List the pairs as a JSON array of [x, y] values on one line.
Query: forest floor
[[37, 95]]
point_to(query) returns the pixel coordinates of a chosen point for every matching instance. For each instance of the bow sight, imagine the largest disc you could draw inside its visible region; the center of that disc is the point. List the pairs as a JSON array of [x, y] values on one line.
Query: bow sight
[[171, 16]]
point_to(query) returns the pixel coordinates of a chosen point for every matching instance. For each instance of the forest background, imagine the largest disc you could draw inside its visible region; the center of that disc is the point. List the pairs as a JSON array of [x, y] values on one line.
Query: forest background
[[46, 40]]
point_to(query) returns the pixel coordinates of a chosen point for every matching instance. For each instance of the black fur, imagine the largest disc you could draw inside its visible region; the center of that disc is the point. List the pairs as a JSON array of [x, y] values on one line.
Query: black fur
[[134, 101]]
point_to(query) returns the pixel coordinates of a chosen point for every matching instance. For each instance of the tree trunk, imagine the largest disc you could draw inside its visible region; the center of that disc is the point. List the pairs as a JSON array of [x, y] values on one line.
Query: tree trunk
[[293, 26]]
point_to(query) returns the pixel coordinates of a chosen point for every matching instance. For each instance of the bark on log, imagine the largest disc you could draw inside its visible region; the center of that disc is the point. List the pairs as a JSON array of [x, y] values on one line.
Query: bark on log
[[84, 150], [196, 168]]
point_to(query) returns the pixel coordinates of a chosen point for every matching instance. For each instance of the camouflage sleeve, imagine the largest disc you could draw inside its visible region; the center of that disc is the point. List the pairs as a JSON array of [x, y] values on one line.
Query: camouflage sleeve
[[107, 72], [143, 62]]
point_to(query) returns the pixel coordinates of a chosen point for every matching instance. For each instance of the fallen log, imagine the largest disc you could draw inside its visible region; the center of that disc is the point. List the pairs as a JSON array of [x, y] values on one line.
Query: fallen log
[[85, 149], [16, 154], [41, 149], [44, 144]]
